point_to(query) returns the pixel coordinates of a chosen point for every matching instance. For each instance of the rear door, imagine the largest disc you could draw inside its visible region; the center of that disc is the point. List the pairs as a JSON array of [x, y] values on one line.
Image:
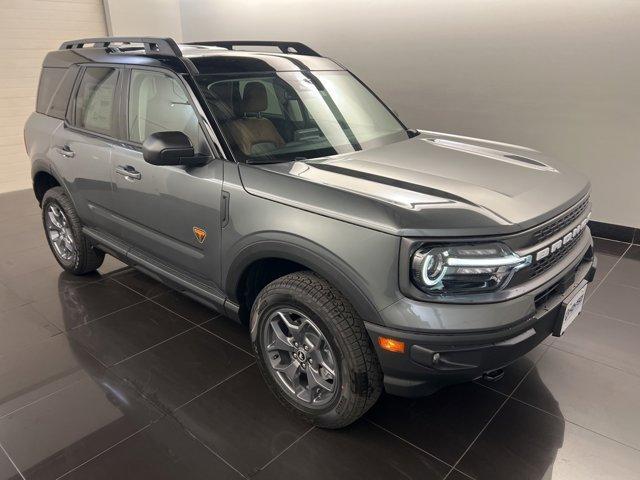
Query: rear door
[[170, 214], [83, 145]]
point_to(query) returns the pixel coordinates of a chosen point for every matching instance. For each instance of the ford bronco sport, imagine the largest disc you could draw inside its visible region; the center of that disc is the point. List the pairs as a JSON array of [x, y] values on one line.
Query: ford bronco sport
[[271, 184]]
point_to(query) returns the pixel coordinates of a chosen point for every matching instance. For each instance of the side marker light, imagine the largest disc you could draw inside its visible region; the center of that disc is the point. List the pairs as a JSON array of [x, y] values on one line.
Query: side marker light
[[391, 345]]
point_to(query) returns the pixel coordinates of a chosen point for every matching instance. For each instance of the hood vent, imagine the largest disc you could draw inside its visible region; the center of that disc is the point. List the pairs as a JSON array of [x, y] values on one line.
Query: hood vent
[[520, 158], [490, 153]]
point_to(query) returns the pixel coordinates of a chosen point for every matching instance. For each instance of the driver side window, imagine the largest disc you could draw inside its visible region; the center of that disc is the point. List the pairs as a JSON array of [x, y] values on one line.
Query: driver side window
[[158, 103]]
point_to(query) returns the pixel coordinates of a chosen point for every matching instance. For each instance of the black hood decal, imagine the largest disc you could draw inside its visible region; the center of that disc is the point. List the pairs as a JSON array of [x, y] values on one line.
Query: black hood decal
[[393, 182]]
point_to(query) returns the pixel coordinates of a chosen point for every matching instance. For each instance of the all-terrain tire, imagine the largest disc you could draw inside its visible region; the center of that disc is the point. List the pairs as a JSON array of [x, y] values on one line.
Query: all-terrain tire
[[87, 258], [360, 381]]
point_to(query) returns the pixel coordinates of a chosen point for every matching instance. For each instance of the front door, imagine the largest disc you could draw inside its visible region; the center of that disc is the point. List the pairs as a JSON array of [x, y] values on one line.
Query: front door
[[170, 214]]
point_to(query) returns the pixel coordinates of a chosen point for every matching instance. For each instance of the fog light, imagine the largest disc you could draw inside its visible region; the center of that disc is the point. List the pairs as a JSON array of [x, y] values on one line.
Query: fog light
[[391, 345]]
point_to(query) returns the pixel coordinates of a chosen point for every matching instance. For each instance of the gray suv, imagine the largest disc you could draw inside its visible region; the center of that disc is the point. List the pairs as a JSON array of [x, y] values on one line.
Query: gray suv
[[272, 185]]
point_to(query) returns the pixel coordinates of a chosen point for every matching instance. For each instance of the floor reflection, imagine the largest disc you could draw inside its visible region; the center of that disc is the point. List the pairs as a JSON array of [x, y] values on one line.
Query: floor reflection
[[90, 411]]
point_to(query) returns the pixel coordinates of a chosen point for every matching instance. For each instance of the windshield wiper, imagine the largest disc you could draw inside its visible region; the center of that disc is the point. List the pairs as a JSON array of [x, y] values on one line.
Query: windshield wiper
[[264, 161]]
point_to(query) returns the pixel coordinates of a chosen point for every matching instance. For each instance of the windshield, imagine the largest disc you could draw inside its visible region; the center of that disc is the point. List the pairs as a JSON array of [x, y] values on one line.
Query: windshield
[[284, 116]]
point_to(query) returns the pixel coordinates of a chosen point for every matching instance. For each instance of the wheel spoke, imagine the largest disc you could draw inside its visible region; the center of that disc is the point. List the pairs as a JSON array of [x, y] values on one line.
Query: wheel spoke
[[54, 218], [329, 371], [291, 371], [293, 328], [317, 380], [59, 247], [304, 394], [281, 341], [311, 340], [316, 357], [68, 245]]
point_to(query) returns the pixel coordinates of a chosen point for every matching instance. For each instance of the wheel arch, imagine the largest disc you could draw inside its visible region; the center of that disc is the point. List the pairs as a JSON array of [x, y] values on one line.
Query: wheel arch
[[43, 181], [295, 257], [44, 177]]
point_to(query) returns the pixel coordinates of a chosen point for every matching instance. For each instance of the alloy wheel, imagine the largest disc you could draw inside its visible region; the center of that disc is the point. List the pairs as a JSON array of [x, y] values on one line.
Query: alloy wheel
[[300, 357], [59, 233]]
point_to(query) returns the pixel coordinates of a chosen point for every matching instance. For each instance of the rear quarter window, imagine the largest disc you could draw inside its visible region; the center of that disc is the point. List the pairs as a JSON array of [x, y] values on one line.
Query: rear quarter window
[[54, 91]]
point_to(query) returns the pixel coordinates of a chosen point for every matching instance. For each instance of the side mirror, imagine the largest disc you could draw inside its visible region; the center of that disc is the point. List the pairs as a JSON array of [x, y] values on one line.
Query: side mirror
[[171, 148]]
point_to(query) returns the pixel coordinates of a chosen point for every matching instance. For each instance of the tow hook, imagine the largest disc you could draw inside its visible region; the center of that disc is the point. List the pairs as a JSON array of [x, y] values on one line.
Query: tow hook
[[493, 375]]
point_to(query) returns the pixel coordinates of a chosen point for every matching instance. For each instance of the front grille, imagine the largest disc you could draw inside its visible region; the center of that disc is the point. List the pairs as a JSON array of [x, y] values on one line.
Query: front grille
[[538, 268], [554, 227]]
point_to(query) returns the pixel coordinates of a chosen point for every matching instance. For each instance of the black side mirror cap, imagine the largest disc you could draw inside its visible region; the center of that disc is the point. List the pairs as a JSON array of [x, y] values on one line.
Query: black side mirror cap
[[171, 148]]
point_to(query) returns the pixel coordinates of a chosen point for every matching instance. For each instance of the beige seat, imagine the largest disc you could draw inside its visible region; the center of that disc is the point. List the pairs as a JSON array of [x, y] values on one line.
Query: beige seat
[[253, 134], [160, 105]]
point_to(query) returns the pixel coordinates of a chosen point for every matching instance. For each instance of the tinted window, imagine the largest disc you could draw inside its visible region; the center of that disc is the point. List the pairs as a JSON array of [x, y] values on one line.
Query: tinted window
[[58, 106], [158, 103], [96, 99], [50, 79]]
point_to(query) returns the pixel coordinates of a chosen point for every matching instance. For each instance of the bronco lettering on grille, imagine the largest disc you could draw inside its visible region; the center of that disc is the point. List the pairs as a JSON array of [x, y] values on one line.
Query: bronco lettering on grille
[[557, 245]]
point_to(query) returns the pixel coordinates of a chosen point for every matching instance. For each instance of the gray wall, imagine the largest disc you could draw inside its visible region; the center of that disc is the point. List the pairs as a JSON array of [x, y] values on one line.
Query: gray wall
[[560, 76]]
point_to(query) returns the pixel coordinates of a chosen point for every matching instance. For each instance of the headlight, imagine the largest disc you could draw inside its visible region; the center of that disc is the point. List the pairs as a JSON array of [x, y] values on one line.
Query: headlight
[[463, 269]]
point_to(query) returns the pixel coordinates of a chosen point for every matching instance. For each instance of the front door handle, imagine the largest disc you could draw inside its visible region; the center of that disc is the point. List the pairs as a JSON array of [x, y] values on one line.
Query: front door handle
[[66, 151], [128, 172]]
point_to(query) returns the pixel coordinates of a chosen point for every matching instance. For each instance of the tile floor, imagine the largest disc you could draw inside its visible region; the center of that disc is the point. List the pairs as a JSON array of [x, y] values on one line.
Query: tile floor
[[114, 376]]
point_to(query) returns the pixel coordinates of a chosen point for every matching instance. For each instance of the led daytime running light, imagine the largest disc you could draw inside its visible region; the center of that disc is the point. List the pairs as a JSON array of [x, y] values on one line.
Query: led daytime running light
[[510, 261]]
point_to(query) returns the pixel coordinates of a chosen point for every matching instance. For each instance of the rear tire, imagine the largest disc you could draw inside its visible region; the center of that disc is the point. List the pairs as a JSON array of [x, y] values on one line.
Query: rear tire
[[63, 230], [345, 380]]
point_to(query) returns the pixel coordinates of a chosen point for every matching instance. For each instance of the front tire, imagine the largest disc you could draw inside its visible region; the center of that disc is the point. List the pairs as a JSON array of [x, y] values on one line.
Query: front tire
[[314, 351], [63, 230]]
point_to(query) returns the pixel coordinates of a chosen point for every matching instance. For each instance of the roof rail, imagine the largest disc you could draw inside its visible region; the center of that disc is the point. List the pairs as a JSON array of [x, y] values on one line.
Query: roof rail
[[164, 46], [285, 47]]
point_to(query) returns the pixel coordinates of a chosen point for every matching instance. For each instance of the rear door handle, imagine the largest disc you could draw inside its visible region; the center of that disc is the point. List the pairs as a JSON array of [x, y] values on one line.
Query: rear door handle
[[66, 151], [128, 172]]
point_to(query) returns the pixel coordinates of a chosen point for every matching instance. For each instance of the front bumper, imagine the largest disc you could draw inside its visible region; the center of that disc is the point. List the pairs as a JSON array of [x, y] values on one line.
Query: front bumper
[[436, 359]]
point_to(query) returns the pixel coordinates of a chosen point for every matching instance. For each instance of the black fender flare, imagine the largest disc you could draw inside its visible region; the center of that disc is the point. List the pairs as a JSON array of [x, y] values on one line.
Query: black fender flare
[[304, 252], [43, 166], [39, 165]]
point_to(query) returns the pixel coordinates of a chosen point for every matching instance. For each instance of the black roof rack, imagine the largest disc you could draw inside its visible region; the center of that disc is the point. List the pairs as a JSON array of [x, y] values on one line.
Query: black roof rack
[[285, 47], [164, 46]]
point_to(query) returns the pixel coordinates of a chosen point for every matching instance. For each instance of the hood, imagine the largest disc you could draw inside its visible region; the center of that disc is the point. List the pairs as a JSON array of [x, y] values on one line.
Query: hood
[[433, 184]]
